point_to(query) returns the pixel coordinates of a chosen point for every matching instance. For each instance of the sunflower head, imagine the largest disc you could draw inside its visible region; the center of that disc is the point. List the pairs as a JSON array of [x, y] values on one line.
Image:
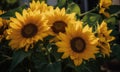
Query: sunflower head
[[1, 22], [41, 6], [1, 12], [103, 31], [3, 26], [102, 11], [78, 43], [58, 19], [104, 4], [104, 38], [26, 29]]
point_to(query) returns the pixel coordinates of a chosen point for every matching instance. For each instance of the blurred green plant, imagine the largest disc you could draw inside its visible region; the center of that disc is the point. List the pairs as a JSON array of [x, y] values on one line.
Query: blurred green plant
[[8, 4]]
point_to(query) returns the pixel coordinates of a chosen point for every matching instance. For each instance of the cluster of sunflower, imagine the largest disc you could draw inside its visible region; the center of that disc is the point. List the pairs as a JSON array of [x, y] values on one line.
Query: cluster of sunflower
[[71, 37]]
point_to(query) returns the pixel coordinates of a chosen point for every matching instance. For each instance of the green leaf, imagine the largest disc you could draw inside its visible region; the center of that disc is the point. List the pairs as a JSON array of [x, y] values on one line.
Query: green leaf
[[41, 0], [73, 8], [56, 55], [92, 19], [114, 8], [38, 57], [61, 3], [44, 67], [111, 20], [116, 51], [91, 66], [18, 56], [112, 23], [11, 1], [11, 13]]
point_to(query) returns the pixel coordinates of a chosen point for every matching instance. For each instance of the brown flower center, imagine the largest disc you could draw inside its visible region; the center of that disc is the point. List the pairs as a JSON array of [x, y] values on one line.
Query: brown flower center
[[77, 44], [59, 26], [29, 30]]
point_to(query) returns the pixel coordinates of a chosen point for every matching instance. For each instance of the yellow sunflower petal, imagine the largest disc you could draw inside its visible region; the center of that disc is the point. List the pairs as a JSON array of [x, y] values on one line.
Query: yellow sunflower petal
[[19, 17], [77, 62]]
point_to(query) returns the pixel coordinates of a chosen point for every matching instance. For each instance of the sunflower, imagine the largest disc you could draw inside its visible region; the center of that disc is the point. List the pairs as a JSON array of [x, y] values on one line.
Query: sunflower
[[58, 19], [41, 6], [104, 4], [26, 29], [104, 39], [3, 26], [78, 43], [1, 20]]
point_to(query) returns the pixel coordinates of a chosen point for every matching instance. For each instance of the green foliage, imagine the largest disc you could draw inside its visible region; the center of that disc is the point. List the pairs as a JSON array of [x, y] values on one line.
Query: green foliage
[[11, 1], [92, 19], [61, 3], [112, 20], [114, 10], [8, 4], [73, 8], [11, 13], [91, 66], [18, 57], [116, 51], [52, 67]]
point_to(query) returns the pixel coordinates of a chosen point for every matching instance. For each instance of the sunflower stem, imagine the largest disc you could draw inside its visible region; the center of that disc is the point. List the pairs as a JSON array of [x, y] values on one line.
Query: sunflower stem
[[49, 59], [89, 11], [48, 54], [115, 14]]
